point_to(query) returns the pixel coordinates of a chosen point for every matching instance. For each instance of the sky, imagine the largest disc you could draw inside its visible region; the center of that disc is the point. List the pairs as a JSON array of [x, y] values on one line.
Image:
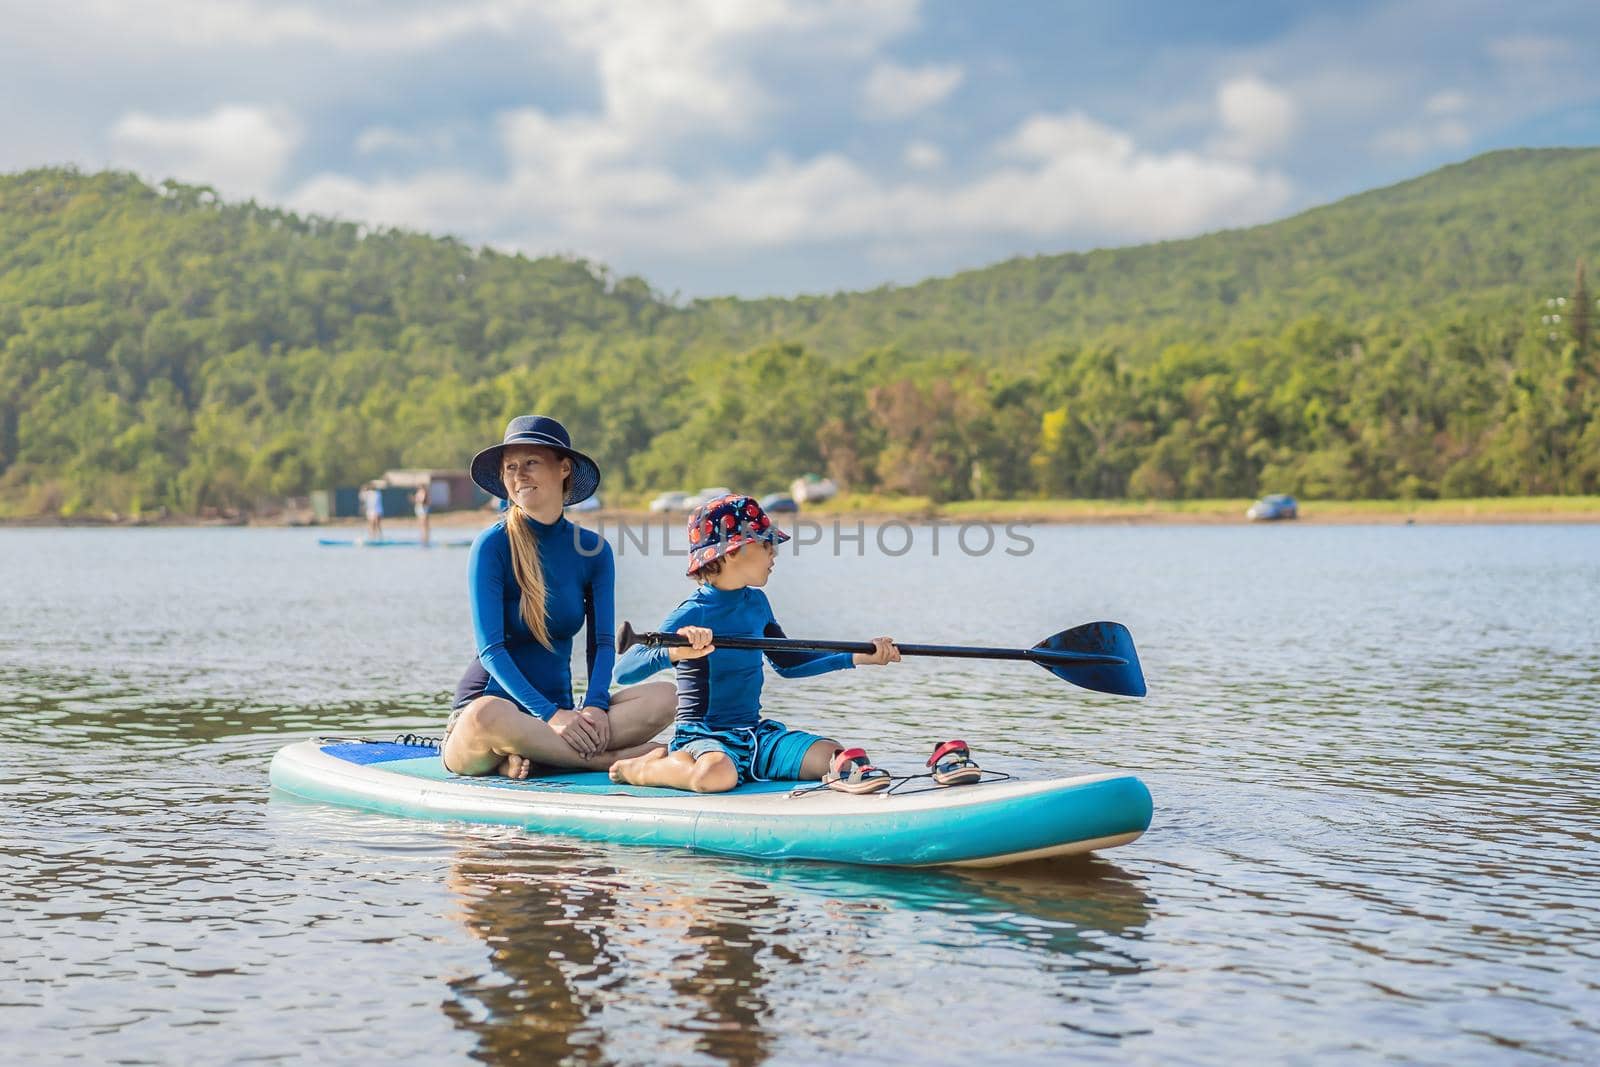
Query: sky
[[776, 147]]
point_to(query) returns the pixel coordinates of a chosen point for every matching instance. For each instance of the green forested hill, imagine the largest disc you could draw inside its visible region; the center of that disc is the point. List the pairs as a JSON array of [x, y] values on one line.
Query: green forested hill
[[213, 354], [1502, 230], [160, 349]]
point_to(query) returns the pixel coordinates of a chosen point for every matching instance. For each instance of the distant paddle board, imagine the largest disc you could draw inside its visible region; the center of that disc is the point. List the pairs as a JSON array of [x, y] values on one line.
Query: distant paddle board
[[922, 825], [358, 542]]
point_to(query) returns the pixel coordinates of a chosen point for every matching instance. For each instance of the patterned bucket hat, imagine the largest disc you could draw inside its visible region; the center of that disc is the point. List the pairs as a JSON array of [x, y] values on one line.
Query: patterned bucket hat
[[719, 526]]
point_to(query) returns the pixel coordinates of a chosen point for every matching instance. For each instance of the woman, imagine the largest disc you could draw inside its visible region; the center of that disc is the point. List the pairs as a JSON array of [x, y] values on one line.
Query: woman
[[534, 580]]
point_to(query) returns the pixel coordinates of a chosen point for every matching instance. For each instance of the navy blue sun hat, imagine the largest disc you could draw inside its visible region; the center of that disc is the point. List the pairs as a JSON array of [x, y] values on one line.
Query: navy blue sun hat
[[545, 432]]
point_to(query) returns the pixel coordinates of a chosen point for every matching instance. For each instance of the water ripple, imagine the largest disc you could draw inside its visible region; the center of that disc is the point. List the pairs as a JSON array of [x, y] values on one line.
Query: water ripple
[[1376, 834]]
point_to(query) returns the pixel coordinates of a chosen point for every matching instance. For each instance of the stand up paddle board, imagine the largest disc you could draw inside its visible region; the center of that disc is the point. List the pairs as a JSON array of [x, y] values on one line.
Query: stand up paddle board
[[918, 825]]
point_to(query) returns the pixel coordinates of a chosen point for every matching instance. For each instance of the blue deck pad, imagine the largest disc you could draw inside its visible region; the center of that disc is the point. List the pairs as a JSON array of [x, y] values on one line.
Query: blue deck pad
[[416, 761], [364, 752]]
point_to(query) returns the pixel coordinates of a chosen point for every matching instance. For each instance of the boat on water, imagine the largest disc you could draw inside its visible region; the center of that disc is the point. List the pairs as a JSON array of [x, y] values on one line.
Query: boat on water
[[921, 824], [1273, 508]]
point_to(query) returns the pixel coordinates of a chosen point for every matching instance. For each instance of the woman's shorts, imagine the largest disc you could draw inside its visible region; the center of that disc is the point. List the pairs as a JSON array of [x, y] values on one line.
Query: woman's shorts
[[474, 680], [455, 716], [766, 752], [450, 724]]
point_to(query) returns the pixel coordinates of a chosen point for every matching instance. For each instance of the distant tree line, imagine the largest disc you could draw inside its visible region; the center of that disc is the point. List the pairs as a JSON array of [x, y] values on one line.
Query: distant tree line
[[162, 350]]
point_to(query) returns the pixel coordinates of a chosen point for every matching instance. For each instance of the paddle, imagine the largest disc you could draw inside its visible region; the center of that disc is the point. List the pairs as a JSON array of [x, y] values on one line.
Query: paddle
[[1096, 655]]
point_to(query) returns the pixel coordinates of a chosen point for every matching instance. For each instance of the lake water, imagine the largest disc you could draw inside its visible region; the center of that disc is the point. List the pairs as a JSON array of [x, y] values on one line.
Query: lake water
[[1374, 752]]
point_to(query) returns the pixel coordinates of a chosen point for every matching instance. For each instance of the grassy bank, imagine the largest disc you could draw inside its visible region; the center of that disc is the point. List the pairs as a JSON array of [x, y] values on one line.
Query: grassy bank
[[1477, 509], [1481, 509], [870, 507]]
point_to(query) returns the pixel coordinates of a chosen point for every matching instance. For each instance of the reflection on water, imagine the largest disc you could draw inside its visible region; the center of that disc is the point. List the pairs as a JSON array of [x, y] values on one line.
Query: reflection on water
[[1372, 756], [690, 958], [580, 951]]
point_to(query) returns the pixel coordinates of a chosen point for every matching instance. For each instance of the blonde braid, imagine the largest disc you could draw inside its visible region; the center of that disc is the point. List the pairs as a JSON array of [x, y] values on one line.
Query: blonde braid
[[530, 573]]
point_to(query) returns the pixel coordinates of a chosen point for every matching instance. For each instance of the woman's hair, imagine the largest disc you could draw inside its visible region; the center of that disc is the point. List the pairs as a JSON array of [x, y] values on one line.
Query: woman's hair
[[529, 571]]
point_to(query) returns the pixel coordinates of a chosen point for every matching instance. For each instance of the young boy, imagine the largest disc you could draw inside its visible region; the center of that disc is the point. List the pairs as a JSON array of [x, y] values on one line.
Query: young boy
[[721, 738]]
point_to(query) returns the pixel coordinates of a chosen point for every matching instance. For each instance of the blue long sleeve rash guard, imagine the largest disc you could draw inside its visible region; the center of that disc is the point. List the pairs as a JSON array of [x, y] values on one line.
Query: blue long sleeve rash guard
[[580, 578], [723, 690]]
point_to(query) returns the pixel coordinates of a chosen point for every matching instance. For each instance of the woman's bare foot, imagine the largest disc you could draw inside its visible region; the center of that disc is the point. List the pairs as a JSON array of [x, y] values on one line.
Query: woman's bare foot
[[515, 766], [621, 769]]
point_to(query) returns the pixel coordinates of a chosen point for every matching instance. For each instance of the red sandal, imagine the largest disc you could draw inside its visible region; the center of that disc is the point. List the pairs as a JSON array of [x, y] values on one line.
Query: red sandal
[[952, 764], [849, 772]]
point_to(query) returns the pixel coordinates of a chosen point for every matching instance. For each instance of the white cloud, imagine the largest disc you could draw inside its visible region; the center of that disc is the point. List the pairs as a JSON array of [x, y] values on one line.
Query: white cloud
[[378, 139], [1443, 125], [438, 202], [893, 92], [698, 134], [661, 67], [594, 182], [667, 68], [1257, 118], [1043, 138], [923, 155], [576, 187], [256, 24], [1087, 179], [241, 150]]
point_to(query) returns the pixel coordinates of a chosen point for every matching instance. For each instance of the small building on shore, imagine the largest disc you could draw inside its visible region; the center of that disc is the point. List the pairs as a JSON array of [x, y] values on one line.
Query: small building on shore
[[448, 490]]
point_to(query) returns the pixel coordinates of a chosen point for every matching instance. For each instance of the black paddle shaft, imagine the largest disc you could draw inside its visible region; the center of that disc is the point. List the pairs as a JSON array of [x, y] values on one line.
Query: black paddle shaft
[[1047, 656]]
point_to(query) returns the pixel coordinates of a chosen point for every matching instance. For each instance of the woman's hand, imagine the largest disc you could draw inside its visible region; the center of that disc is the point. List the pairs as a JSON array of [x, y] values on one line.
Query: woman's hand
[[885, 653], [599, 721], [576, 731], [699, 644]]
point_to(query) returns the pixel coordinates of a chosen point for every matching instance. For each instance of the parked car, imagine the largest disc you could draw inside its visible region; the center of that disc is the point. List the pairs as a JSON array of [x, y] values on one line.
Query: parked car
[[670, 502], [775, 503], [588, 504], [1278, 506], [813, 489]]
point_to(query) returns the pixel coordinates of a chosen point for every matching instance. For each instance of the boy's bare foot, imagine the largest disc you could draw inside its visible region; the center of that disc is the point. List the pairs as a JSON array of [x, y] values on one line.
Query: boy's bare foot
[[621, 769], [515, 766]]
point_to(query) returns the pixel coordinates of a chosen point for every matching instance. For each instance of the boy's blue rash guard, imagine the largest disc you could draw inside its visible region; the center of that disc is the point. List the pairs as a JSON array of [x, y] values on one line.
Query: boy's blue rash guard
[[580, 577], [723, 690]]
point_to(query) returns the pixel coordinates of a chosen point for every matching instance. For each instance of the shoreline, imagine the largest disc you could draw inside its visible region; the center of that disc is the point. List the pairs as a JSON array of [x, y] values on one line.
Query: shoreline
[[878, 510]]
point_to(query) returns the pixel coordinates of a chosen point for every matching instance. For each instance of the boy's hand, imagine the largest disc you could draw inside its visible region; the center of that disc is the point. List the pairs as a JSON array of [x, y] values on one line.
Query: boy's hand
[[699, 644], [886, 653]]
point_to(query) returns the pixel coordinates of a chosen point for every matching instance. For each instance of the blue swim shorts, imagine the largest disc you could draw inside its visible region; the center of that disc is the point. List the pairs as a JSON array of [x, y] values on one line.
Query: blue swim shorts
[[766, 752]]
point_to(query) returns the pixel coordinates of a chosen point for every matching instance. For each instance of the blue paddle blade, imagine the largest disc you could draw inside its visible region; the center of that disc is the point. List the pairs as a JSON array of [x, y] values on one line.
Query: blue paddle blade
[[1097, 638]]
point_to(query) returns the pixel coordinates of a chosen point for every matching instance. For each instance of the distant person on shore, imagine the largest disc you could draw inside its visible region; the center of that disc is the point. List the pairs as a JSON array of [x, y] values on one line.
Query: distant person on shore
[[721, 739], [374, 510], [419, 503], [534, 580]]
